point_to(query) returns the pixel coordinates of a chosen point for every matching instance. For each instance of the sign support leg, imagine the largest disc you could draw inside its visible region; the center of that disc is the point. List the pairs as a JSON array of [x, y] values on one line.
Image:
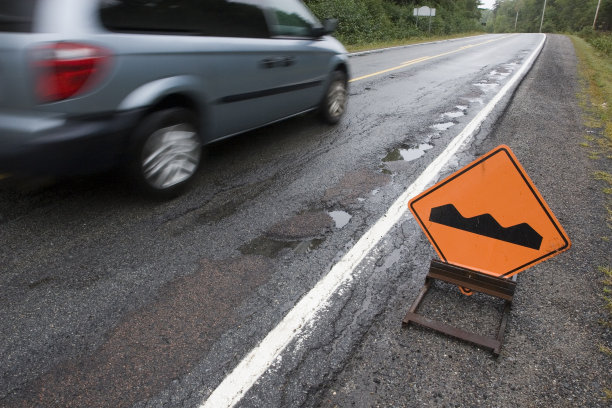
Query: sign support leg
[[476, 281]]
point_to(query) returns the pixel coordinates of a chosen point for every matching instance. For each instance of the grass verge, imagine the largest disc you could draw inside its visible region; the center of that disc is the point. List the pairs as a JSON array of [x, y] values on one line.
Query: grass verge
[[595, 67]]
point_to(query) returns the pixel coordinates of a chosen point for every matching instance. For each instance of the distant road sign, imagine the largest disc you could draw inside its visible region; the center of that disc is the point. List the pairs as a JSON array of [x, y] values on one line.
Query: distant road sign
[[424, 12], [490, 217]]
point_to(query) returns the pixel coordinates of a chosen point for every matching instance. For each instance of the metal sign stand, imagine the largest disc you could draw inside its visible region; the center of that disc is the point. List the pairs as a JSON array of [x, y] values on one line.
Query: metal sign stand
[[468, 280]]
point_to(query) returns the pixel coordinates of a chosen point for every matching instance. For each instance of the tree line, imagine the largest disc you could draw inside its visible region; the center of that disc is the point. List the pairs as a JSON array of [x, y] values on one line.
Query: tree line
[[366, 21], [559, 16]]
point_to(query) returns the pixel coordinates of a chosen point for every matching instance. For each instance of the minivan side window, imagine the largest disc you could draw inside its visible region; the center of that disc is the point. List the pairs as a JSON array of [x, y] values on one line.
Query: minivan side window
[[290, 18], [216, 18], [16, 16]]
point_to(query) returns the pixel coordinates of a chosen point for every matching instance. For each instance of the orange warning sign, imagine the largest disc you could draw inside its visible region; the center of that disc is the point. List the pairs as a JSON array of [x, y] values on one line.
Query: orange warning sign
[[490, 217]]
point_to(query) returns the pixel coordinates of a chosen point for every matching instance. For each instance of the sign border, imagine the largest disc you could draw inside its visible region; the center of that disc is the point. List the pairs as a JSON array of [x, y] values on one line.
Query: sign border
[[500, 149]]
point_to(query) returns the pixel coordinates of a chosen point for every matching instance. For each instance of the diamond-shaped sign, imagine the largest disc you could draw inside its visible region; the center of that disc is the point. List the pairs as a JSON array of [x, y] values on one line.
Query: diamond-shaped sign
[[490, 217]]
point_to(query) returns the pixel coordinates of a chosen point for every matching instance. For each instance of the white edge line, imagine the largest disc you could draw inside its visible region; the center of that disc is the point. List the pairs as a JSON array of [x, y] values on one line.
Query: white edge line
[[259, 359]]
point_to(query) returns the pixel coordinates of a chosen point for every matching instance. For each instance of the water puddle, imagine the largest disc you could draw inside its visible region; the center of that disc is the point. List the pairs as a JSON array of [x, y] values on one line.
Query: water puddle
[[266, 247], [486, 86], [453, 115], [442, 126], [471, 101], [407, 154], [308, 246], [341, 218], [502, 73], [390, 259]]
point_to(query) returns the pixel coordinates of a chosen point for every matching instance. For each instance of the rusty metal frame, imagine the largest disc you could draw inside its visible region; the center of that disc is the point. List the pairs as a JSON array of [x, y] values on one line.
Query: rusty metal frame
[[472, 280]]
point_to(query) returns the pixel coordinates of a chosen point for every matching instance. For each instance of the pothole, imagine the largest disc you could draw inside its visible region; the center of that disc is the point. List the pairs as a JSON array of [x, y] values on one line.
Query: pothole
[[301, 233], [453, 115], [487, 86], [354, 185], [442, 126], [500, 73], [312, 224], [479, 101], [271, 248]]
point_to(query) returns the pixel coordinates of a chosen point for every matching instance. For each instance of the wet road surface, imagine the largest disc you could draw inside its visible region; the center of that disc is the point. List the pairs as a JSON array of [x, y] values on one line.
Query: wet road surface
[[111, 299], [551, 353]]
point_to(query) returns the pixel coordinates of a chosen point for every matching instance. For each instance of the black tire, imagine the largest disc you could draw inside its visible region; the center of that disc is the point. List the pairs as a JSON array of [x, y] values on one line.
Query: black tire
[[166, 153], [334, 102]]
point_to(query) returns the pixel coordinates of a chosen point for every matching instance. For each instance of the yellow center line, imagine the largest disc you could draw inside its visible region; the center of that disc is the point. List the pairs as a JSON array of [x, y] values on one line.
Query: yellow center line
[[423, 59], [414, 61]]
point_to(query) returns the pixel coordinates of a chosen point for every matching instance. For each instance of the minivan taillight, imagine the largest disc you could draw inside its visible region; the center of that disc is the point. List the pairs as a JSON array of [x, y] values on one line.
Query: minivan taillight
[[66, 69]]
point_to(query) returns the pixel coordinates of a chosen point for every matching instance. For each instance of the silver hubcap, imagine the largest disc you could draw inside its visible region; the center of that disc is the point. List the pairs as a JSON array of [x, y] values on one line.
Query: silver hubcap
[[171, 155], [336, 99]]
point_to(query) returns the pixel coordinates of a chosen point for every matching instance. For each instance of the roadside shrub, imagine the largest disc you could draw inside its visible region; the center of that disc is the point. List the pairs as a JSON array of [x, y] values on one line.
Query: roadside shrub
[[359, 20], [587, 33], [367, 21], [602, 43]]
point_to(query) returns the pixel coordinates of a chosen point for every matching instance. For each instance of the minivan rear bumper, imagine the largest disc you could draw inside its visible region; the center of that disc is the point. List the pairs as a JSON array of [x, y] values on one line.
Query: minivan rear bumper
[[59, 146]]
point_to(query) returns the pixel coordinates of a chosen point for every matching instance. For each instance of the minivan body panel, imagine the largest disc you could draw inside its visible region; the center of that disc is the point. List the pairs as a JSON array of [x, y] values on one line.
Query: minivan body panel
[[283, 77], [234, 84]]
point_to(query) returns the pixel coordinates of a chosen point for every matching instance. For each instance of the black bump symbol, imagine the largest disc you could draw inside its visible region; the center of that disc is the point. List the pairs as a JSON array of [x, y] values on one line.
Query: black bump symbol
[[486, 225]]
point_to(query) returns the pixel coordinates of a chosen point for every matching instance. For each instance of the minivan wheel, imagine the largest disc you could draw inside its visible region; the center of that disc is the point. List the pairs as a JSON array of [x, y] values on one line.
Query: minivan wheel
[[168, 151], [334, 103]]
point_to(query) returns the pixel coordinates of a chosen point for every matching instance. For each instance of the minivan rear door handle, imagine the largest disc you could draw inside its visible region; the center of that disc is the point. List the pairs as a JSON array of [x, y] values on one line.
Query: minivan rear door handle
[[274, 62]]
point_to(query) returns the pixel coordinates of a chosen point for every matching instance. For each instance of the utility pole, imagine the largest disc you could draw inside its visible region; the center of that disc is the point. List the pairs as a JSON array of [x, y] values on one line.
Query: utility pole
[[596, 13], [543, 10], [515, 21]]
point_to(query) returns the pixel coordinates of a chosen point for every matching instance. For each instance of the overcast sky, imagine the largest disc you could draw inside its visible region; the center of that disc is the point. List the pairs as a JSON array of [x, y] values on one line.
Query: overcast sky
[[487, 3]]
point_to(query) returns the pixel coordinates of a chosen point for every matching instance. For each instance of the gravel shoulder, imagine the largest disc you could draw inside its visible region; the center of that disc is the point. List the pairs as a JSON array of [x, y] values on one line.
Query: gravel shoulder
[[551, 351]]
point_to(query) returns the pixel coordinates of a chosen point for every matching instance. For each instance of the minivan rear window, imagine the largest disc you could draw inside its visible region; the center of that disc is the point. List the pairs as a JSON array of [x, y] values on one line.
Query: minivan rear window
[[218, 18], [17, 16]]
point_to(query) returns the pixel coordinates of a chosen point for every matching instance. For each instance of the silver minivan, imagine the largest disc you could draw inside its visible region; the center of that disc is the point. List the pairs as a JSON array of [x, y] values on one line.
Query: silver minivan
[[90, 84]]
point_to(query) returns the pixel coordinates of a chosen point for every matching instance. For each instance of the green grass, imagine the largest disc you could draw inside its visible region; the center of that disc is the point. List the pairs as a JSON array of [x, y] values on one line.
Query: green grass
[[595, 68], [596, 74], [603, 176], [607, 282]]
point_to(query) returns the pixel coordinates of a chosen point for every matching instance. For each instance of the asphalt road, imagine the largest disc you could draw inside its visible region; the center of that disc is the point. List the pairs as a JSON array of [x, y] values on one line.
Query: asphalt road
[[108, 299]]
